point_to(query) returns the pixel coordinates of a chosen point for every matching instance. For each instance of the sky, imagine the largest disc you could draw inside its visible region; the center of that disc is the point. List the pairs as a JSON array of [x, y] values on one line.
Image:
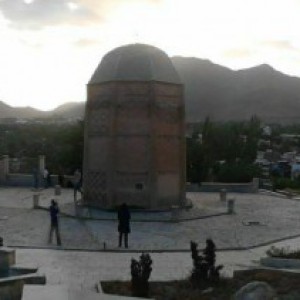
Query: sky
[[50, 48]]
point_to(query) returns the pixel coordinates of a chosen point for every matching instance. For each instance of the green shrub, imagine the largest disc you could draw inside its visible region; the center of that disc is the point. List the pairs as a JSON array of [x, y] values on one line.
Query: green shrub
[[238, 172], [280, 183]]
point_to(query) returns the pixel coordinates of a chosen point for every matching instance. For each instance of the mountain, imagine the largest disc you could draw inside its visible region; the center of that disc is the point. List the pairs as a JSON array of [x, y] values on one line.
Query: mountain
[[205, 85], [223, 94], [7, 111], [69, 110], [212, 90]]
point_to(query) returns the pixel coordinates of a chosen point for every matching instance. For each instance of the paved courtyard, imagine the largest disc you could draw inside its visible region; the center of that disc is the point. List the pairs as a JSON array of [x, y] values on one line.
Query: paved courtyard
[[259, 219], [82, 270], [272, 218]]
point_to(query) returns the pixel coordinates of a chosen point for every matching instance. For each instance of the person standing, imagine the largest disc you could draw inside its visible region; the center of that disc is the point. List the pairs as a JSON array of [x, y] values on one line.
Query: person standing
[[124, 224], [61, 178], [45, 177], [49, 182], [77, 183], [54, 211], [35, 178]]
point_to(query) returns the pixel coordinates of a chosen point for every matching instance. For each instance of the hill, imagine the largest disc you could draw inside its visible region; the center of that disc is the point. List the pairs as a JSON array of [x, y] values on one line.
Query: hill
[[69, 110], [212, 90], [223, 94], [7, 111]]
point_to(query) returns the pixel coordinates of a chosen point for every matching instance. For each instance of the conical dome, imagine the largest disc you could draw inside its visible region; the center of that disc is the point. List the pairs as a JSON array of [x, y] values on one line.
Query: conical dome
[[136, 62]]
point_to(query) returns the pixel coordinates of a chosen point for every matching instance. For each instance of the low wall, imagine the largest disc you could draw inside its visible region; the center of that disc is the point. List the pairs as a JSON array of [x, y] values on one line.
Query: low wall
[[11, 288], [280, 263], [15, 179], [27, 180], [251, 187], [230, 187]]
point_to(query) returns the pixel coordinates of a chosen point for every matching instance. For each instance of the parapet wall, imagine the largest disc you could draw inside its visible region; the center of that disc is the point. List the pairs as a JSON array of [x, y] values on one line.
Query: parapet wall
[[250, 187], [15, 179], [23, 179]]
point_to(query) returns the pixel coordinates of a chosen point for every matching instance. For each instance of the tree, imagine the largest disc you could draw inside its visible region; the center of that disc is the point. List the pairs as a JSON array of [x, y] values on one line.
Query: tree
[[62, 144], [234, 143]]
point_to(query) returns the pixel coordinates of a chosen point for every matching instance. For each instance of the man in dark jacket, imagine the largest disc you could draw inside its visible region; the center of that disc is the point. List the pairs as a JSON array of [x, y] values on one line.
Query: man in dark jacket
[[124, 224], [54, 211]]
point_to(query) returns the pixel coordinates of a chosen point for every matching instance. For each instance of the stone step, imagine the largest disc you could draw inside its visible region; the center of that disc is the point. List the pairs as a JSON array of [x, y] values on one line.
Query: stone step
[[76, 295], [47, 292], [61, 292], [115, 297]]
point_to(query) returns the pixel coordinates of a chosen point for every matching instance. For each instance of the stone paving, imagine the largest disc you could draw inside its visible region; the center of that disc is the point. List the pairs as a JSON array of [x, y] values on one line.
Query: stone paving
[[20, 225], [272, 219], [82, 270]]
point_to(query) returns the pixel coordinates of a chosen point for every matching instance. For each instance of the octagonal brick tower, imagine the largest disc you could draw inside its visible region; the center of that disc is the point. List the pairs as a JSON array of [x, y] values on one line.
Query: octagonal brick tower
[[134, 140]]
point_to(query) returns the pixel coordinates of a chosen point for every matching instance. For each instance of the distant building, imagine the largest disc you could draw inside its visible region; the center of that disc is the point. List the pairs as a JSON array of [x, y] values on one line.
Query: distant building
[[289, 156], [290, 137], [264, 164], [267, 131]]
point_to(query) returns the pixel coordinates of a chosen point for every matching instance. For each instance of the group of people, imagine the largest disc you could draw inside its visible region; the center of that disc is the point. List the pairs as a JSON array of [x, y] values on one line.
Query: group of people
[[123, 223], [123, 212], [46, 176]]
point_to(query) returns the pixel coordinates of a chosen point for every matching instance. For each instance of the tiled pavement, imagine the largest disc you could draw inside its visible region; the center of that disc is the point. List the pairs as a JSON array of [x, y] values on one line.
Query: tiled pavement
[[20, 225], [82, 269], [272, 219]]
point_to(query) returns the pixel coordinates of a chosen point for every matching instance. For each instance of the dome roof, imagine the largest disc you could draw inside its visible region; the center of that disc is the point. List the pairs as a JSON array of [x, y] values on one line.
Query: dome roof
[[136, 62]]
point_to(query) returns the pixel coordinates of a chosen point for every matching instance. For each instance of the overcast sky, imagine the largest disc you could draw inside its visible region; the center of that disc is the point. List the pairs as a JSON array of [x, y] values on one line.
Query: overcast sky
[[50, 48]]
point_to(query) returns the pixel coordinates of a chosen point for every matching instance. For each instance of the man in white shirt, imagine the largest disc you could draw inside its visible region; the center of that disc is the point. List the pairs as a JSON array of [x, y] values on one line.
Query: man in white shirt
[[45, 177], [77, 181]]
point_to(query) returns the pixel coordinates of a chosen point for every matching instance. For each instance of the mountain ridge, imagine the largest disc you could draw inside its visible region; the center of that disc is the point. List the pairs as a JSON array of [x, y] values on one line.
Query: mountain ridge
[[211, 90]]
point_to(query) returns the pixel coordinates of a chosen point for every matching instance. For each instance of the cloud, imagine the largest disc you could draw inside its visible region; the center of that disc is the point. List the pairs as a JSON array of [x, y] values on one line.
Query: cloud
[[35, 14], [279, 45], [238, 53], [86, 42]]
